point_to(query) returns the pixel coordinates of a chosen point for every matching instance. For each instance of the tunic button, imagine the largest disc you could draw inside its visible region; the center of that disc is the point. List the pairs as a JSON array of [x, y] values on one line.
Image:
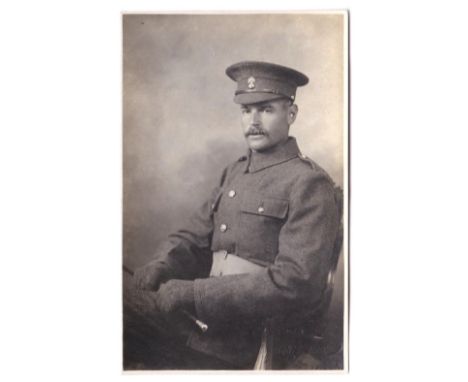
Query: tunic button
[[232, 193], [261, 210], [223, 227]]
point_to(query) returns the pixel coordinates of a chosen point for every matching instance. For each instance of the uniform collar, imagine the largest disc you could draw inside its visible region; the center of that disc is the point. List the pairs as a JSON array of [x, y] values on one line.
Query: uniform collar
[[281, 153]]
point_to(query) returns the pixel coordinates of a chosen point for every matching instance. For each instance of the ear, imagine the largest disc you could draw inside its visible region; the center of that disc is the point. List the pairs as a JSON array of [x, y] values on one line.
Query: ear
[[292, 113]]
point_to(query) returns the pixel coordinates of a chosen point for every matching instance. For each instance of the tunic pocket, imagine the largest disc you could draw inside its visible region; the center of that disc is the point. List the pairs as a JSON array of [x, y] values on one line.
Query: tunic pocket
[[260, 223], [265, 206]]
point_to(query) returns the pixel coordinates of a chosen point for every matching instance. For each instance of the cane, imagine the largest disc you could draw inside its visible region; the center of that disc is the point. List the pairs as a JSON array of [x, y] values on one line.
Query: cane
[[199, 323]]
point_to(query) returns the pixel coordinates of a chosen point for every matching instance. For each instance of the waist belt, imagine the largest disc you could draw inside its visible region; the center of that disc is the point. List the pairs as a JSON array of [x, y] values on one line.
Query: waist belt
[[226, 264]]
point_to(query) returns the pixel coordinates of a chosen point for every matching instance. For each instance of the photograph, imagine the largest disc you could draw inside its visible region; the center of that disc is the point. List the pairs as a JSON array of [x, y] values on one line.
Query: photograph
[[235, 191], [226, 189]]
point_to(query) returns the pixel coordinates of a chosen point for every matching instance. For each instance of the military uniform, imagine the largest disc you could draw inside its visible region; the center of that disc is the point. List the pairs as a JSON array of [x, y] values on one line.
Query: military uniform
[[277, 210]]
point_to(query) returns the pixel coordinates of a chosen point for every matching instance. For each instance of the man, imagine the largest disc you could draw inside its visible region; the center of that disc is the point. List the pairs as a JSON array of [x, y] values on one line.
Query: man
[[252, 263]]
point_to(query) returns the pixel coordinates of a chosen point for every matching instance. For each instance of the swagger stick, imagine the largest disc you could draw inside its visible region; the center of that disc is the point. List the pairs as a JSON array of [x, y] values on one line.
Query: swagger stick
[[200, 324]]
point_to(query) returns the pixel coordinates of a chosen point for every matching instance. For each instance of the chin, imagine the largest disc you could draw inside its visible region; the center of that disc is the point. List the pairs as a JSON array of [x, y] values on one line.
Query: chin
[[257, 145]]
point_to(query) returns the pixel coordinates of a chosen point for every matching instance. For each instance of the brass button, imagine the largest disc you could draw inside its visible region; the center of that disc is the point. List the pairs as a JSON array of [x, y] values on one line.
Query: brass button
[[232, 193], [261, 210], [223, 227]]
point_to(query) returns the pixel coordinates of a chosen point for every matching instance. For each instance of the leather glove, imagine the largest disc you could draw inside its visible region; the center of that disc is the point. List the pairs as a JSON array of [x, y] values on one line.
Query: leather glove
[[175, 295], [150, 276]]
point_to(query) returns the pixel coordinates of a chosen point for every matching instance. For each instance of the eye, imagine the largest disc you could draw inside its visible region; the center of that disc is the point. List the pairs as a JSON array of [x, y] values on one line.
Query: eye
[[245, 110], [268, 109]]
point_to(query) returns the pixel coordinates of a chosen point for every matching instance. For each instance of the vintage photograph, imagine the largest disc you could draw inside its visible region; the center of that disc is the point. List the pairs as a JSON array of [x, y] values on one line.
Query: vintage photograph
[[235, 191]]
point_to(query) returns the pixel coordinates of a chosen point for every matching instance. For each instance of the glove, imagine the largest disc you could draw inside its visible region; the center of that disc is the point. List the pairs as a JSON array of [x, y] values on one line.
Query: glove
[[175, 295], [150, 276]]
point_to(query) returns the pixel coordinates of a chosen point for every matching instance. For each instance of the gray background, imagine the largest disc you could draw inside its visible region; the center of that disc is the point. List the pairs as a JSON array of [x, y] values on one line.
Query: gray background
[[181, 127]]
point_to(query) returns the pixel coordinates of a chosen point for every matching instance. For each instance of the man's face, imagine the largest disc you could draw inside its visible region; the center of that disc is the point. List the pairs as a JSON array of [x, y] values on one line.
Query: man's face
[[266, 124]]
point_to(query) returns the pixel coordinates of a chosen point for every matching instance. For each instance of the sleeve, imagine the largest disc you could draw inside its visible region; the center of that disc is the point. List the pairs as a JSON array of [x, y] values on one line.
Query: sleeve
[[186, 254], [297, 278]]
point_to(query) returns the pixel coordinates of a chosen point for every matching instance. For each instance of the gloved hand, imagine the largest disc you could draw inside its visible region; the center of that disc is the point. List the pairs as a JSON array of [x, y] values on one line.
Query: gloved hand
[[150, 276], [175, 295]]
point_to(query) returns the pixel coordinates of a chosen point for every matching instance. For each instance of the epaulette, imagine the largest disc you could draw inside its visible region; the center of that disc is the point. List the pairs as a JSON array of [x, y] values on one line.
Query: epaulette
[[315, 166], [304, 158]]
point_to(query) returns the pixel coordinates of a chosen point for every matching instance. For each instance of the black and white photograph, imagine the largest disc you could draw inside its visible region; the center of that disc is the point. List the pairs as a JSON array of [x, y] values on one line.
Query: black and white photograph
[[235, 186], [244, 189]]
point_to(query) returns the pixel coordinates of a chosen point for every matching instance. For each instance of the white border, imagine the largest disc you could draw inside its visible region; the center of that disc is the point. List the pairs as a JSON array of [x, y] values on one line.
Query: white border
[[60, 205]]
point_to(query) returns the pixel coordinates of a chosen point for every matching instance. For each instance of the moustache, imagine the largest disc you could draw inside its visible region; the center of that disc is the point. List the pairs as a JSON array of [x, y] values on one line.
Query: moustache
[[255, 131]]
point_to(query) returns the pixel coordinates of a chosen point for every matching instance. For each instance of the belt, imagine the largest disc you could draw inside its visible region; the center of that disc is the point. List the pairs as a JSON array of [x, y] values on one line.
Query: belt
[[225, 263]]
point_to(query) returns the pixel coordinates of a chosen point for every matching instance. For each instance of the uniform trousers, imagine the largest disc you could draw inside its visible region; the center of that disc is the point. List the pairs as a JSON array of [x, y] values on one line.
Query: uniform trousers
[[154, 341]]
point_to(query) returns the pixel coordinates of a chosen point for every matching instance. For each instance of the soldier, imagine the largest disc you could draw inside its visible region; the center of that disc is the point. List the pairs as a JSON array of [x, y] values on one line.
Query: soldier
[[252, 262]]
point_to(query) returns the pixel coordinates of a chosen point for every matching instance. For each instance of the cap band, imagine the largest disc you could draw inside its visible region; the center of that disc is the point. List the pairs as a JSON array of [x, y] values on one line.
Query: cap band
[[270, 91]]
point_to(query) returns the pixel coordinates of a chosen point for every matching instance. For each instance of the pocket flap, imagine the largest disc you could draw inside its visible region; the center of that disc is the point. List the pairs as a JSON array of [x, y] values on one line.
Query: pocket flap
[[267, 206]]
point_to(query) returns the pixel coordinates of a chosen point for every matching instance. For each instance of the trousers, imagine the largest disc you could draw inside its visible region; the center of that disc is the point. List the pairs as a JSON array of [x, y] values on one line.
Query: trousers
[[153, 341]]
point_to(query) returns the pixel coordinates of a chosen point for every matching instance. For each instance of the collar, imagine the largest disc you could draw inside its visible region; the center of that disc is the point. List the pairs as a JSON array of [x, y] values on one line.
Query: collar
[[278, 154]]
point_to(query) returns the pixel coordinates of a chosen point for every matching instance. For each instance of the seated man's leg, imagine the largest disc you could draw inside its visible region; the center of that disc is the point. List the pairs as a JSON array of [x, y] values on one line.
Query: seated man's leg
[[154, 342], [148, 335]]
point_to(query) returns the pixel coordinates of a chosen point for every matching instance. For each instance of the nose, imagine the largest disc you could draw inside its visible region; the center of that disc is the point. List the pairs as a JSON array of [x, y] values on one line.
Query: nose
[[255, 118]]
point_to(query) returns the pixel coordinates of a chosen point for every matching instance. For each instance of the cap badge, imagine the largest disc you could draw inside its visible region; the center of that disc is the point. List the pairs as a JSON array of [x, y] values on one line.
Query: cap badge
[[251, 82]]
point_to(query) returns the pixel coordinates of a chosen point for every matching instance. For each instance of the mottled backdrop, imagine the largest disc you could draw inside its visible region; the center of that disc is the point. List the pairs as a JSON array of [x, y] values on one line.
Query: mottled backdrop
[[180, 126]]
